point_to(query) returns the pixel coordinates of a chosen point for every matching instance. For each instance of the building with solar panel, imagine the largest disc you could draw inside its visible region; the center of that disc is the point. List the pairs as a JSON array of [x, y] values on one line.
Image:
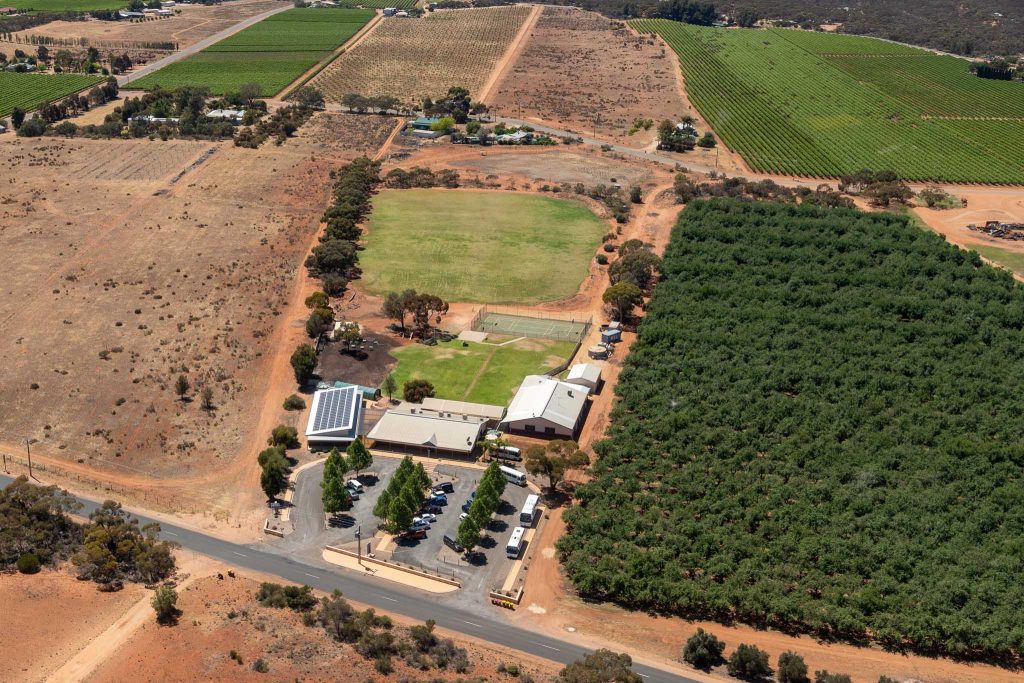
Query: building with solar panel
[[336, 417]]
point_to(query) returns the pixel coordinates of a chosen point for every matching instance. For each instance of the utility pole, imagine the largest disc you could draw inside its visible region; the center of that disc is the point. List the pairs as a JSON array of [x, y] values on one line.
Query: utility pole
[[359, 545], [28, 449]]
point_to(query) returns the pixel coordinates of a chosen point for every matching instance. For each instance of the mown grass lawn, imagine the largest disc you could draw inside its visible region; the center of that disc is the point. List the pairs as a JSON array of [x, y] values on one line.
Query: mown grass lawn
[[481, 373], [1010, 260], [481, 247]]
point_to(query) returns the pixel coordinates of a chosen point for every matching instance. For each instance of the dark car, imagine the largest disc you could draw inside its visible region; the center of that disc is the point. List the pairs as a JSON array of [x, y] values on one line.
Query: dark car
[[465, 506], [450, 541], [415, 535], [432, 509], [446, 486], [438, 500]]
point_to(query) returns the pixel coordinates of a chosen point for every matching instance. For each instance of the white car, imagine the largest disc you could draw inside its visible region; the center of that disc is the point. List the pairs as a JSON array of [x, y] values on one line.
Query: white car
[[427, 517], [463, 516]]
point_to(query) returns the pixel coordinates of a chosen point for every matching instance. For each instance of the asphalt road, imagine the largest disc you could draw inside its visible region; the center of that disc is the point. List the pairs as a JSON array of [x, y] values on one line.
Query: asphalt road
[[127, 78], [382, 595]]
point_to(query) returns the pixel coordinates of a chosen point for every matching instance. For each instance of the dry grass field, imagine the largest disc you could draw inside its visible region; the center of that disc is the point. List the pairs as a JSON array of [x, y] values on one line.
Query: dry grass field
[[415, 58], [579, 70], [130, 263]]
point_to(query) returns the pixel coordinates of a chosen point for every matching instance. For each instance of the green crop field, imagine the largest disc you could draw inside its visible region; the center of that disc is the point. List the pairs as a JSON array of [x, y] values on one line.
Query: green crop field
[[28, 91], [66, 5], [378, 4], [490, 247], [822, 105], [273, 52], [480, 373]]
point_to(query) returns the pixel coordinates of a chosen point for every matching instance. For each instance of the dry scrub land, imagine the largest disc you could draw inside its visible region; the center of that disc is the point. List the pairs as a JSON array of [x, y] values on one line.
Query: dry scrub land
[[415, 58], [132, 262], [221, 616], [579, 70]]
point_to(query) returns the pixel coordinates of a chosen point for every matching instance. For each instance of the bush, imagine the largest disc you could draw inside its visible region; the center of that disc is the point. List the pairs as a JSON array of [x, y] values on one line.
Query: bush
[[384, 665], [703, 650], [165, 601], [749, 662], [283, 435], [415, 390], [792, 668], [602, 260], [260, 666], [28, 563], [303, 363], [294, 402], [826, 677]]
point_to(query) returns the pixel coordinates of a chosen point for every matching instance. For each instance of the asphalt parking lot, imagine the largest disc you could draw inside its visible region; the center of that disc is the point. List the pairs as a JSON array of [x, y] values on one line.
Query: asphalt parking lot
[[489, 566]]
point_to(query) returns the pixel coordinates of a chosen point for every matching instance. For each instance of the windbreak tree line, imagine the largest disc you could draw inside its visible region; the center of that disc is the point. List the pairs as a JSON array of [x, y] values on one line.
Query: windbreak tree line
[[819, 427]]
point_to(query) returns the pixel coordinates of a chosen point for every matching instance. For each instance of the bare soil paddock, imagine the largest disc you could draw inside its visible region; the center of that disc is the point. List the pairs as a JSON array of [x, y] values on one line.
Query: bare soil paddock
[[580, 70], [129, 263]]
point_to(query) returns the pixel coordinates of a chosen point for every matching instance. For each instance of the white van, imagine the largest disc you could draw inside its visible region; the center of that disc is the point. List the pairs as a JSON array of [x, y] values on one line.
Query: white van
[[514, 476], [354, 485]]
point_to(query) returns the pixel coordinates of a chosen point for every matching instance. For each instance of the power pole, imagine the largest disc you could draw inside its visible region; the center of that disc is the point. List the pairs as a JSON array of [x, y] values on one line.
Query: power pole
[[359, 545], [28, 449]]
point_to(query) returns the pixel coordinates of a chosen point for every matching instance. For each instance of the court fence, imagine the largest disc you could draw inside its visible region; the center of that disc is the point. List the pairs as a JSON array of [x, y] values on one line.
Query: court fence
[[568, 326]]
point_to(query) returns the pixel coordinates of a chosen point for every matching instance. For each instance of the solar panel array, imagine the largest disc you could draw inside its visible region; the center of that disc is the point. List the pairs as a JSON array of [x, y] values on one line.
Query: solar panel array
[[334, 409]]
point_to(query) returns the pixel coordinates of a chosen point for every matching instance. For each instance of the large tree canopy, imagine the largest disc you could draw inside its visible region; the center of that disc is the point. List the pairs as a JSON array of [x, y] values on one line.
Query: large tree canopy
[[820, 426]]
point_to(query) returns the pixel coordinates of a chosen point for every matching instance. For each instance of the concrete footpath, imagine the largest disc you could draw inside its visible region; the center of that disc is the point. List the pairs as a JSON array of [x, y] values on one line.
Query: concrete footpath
[[370, 567]]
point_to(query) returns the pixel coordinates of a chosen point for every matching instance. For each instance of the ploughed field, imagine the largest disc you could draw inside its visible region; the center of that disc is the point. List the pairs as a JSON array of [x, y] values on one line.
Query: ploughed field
[[818, 428], [824, 105], [273, 53], [415, 58], [478, 246], [29, 90]]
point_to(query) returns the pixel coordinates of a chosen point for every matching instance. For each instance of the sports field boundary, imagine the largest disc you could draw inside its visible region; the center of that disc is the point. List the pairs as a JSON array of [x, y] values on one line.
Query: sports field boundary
[[554, 325]]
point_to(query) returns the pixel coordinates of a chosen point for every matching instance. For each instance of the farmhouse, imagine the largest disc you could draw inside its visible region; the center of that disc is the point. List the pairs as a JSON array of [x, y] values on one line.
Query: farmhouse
[[493, 414], [547, 406], [585, 375], [411, 428], [232, 115], [421, 127], [336, 416]]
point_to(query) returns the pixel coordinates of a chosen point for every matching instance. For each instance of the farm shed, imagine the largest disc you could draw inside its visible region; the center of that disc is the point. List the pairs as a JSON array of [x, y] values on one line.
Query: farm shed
[[547, 406], [336, 416], [410, 428], [232, 115], [493, 414], [585, 375], [611, 335]]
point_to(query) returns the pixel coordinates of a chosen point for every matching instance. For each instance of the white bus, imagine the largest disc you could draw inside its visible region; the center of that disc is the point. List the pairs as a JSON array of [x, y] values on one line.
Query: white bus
[[514, 476], [528, 515], [515, 543]]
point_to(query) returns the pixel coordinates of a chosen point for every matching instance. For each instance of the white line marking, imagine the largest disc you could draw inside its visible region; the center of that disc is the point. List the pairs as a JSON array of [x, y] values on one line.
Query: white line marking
[[387, 598], [239, 554], [642, 675], [472, 624], [547, 646], [170, 533], [313, 575]]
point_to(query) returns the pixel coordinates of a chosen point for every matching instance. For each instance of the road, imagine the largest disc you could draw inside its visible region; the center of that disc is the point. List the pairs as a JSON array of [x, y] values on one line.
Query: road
[[124, 80], [382, 595]]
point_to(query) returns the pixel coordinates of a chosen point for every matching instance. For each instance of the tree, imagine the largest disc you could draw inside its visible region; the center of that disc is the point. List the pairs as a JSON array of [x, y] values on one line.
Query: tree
[[17, 117], [445, 124], [603, 666], [749, 662], [382, 508], [415, 390], [400, 515], [554, 460], [165, 604], [317, 300], [320, 321], [707, 140], [396, 305], [703, 650], [42, 53], [747, 18], [28, 563], [425, 308], [636, 195], [359, 456], [309, 97], [623, 297], [826, 677], [284, 435], [303, 363], [468, 534], [792, 668], [294, 402], [115, 547], [34, 520], [181, 386], [207, 400], [273, 479], [249, 92], [335, 495], [389, 385]]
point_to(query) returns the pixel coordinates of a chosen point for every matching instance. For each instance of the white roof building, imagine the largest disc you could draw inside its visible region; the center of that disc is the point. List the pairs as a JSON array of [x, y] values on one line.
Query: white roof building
[[585, 374], [411, 427], [440, 405], [336, 416], [545, 405], [234, 115]]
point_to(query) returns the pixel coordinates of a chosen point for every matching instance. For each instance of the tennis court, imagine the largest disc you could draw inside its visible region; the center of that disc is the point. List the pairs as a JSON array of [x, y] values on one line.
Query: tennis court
[[524, 326]]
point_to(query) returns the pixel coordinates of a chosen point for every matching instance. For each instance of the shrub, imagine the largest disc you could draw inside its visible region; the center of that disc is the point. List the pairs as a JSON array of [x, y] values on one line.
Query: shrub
[[749, 662], [792, 668], [283, 435], [303, 363], [384, 665], [260, 666], [703, 650], [294, 402], [415, 390], [826, 677], [165, 601], [602, 260], [28, 563]]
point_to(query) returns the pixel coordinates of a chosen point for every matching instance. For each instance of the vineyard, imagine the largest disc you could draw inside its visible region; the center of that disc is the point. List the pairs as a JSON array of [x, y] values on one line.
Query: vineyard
[[414, 58], [817, 429], [273, 52], [28, 91], [65, 5], [820, 105], [378, 4]]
